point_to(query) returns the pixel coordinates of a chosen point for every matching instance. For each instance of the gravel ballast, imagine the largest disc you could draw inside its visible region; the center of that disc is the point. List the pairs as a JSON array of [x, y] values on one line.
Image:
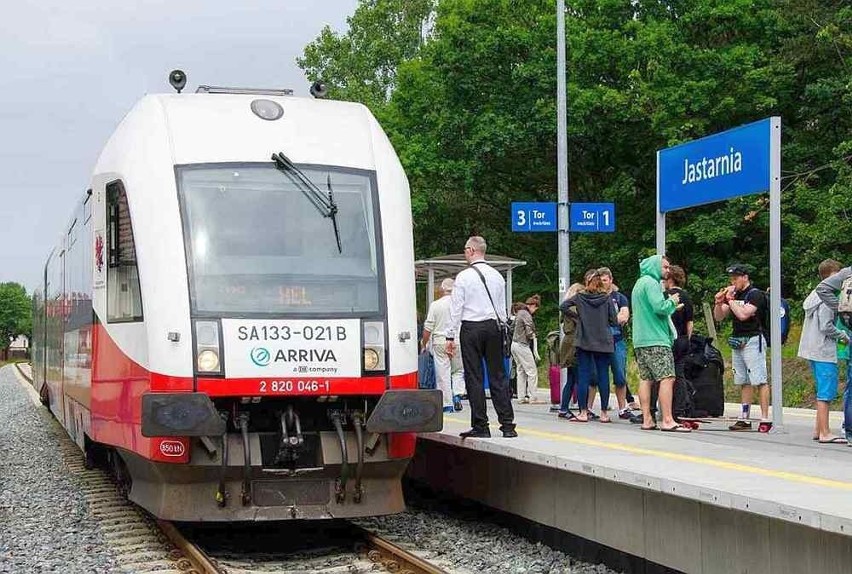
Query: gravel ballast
[[44, 524], [463, 541]]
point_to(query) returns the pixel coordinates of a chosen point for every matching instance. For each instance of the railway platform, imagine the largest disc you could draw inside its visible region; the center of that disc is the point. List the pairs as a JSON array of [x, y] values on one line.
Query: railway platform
[[707, 501]]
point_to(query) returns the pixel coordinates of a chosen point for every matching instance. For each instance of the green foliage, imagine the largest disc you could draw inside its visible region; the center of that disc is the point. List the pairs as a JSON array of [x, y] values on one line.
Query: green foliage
[[15, 313], [469, 105]]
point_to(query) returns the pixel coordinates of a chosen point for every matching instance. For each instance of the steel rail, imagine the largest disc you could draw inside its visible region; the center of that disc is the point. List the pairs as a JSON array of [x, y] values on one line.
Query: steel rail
[[201, 563], [395, 559]]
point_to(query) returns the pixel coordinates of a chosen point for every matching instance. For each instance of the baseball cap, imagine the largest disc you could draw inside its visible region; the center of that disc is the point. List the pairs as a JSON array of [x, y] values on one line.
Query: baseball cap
[[738, 269]]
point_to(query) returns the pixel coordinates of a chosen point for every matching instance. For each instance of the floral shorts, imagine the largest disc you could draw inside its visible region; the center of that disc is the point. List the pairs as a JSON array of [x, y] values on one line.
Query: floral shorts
[[655, 363]]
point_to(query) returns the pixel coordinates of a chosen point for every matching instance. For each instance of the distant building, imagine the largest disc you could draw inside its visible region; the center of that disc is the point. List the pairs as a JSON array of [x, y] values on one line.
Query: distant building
[[19, 349]]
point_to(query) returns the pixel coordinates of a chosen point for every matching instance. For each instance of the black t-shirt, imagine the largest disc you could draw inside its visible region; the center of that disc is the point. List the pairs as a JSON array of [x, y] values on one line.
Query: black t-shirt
[[751, 326], [683, 315]]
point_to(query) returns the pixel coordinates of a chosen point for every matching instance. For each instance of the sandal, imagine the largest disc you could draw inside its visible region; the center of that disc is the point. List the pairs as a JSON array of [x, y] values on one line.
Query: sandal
[[833, 440], [655, 427], [577, 419], [676, 428]]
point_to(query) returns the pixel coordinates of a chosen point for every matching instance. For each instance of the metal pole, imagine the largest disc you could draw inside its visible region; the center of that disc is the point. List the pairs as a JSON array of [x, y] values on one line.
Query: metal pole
[[562, 161], [661, 217], [430, 288], [509, 292], [775, 271]]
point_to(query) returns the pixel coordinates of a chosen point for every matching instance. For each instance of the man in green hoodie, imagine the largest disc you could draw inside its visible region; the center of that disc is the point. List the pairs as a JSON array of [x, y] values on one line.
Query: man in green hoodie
[[652, 340]]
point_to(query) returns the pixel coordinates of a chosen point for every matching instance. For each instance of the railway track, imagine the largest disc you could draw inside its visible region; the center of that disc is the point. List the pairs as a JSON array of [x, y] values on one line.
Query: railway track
[[324, 549]]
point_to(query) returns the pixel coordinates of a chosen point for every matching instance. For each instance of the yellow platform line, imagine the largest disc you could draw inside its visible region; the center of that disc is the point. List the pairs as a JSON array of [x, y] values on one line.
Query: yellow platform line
[[784, 475]]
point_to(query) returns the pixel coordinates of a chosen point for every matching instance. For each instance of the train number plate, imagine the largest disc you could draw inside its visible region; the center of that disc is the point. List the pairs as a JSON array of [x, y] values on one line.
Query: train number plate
[[302, 350]]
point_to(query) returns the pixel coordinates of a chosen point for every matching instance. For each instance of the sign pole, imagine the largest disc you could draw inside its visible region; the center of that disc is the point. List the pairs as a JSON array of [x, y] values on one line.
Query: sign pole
[[562, 164], [661, 217], [562, 151], [775, 271]]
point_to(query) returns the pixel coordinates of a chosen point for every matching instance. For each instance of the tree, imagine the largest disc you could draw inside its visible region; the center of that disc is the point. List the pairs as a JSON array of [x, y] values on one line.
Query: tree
[[15, 313], [471, 111], [361, 64]]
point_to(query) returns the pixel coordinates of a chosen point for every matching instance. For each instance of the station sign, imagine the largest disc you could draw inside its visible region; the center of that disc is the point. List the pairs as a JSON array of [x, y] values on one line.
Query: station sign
[[729, 164], [592, 217], [534, 216]]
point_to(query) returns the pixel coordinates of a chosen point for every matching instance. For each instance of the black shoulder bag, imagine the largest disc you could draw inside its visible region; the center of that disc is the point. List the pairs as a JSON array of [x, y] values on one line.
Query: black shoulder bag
[[505, 332]]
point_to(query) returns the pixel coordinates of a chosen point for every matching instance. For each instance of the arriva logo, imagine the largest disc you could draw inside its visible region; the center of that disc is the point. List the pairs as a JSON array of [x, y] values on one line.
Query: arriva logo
[[260, 356]]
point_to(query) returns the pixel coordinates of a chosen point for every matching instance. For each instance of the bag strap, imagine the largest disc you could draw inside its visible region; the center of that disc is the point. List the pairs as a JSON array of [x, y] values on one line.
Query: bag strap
[[482, 278]]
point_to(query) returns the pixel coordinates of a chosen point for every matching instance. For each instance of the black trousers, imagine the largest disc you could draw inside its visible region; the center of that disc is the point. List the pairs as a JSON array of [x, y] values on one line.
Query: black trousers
[[481, 339]]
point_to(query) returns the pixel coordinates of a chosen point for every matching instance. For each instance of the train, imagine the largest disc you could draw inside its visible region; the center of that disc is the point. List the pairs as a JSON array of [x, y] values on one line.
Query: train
[[228, 322]]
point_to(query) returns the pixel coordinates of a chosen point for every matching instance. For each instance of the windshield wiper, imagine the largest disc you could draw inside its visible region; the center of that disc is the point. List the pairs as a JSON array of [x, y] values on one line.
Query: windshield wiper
[[324, 203]]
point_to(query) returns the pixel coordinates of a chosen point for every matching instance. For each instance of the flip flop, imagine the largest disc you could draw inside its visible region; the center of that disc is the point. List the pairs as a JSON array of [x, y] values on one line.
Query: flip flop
[[676, 428], [577, 420], [834, 440], [607, 421], [655, 427]]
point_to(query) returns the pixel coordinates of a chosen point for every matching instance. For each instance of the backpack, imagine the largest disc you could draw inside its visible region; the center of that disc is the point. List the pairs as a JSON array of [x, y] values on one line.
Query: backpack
[[764, 317], [704, 368], [844, 302]]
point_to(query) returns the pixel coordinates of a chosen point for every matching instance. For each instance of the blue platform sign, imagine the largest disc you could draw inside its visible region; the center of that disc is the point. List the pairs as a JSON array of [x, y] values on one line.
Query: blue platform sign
[[533, 217], [722, 166], [593, 217]]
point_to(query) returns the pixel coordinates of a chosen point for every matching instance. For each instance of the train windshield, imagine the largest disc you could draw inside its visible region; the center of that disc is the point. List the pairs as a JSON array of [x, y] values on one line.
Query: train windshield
[[257, 244]]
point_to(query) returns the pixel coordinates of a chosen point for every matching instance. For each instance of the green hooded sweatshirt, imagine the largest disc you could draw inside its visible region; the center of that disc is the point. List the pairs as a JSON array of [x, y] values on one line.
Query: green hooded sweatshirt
[[651, 309]]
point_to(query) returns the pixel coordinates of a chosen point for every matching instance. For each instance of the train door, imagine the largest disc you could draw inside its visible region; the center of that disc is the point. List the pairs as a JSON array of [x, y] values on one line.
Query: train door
[[55, 332]]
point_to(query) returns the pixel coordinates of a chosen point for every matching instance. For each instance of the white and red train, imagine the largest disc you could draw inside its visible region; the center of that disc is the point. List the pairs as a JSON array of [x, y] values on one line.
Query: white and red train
[[229, 319]]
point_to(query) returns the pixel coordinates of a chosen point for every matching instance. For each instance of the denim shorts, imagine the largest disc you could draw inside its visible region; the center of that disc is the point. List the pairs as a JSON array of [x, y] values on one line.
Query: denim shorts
[[749, 362], [826, 376]]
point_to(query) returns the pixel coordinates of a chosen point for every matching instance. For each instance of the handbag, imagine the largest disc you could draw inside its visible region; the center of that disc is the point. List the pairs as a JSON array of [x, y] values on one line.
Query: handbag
[[505, 331]]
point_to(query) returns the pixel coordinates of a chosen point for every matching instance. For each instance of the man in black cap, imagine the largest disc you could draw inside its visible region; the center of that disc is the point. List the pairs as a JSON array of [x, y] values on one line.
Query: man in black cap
[[746, 304]]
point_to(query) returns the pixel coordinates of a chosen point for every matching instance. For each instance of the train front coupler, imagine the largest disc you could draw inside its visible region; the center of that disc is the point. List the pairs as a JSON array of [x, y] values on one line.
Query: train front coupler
[[291, 442]]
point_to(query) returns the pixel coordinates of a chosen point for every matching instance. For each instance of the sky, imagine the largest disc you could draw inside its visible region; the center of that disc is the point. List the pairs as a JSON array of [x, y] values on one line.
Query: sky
[[69, 71]]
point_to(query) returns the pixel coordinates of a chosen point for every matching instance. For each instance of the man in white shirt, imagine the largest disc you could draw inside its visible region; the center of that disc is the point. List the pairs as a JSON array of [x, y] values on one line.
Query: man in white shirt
[[446, 368], [478, 308]]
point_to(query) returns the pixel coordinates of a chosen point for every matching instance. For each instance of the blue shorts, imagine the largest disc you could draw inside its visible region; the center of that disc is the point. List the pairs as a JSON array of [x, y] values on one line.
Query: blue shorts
[[826, 376]]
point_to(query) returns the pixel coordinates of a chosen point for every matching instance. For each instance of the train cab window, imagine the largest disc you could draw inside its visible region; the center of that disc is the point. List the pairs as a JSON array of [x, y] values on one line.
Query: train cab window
[[124, 299], [257, 243]]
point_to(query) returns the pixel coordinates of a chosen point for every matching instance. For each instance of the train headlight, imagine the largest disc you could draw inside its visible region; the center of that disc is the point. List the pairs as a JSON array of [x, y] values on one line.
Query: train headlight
[[371, 359], [208, 361], [267, 109], [208, 347], [373, 336]]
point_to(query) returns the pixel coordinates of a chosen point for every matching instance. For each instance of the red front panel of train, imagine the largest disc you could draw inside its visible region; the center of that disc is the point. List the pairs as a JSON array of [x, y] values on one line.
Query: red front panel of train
[[118, 384]]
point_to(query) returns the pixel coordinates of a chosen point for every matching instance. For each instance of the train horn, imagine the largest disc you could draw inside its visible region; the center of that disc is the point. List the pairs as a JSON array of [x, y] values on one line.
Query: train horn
[[177, 79], [319, 90]]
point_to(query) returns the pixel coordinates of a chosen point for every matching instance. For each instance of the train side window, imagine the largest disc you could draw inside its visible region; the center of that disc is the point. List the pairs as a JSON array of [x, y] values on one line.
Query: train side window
[[124, 298]]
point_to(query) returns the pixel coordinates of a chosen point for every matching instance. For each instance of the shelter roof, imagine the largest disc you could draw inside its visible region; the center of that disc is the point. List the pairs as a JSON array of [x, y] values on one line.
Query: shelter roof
[[450, 265]]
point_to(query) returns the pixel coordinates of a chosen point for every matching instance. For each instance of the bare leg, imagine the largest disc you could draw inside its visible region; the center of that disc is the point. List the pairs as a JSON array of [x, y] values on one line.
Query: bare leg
[[592, 393], [666, 393], [822, 430], [621, 397], [645, 403], [764, 401]]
